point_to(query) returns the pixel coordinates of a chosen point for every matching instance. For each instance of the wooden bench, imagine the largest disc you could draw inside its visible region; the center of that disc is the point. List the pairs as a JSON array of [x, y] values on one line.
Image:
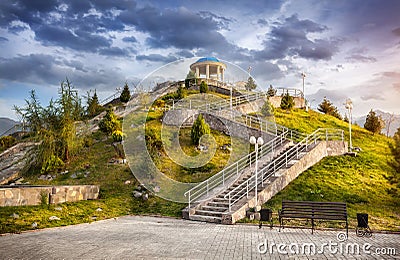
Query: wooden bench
[[313, 210]]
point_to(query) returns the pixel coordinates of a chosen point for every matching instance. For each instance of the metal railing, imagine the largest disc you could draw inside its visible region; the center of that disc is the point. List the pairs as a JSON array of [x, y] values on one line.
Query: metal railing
[[281, 161], [234, 170], [291, 91]]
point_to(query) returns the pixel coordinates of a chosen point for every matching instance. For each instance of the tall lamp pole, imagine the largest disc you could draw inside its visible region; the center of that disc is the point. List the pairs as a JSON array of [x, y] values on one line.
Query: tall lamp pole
[[257, 143], [349, 107], [303, 75]]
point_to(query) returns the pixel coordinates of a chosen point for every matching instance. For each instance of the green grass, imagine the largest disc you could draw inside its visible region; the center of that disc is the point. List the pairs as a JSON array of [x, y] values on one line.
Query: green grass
[[115, 200], [364, 182]]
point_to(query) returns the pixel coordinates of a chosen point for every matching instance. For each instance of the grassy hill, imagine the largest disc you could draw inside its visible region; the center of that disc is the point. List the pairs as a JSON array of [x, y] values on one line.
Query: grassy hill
[[364, 182]]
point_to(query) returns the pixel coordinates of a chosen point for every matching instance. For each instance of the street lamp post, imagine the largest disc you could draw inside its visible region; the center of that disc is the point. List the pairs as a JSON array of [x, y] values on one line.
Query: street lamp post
[[257, 143], [303, 75], [349, 107]]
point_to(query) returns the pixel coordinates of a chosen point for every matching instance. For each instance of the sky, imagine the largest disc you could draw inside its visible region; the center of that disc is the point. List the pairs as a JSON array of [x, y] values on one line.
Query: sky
[[347, 49]]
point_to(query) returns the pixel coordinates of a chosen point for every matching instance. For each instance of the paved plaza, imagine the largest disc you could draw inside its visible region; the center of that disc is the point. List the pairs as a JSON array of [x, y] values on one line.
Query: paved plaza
[[140, 237]]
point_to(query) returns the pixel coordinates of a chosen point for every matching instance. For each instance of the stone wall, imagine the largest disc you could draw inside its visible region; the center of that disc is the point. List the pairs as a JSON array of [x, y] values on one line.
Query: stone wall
[[32, 195], [285, 176], [276, 101]]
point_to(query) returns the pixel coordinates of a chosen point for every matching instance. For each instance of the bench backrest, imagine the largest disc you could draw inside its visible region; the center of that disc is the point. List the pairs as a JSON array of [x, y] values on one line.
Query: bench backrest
[[315, 209]]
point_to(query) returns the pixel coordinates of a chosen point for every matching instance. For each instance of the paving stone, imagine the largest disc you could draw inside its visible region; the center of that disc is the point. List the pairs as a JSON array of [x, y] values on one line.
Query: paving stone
[[143, 237]]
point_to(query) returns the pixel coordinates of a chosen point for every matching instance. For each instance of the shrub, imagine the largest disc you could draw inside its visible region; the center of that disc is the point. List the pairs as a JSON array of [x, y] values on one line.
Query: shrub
[[203, 87], [199, 128], [287, 102]]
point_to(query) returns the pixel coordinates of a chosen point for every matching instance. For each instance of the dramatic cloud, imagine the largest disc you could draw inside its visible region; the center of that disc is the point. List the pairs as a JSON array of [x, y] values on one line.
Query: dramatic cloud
[[360, 58], [290, 37], [156, 58], [396, 31], [129, 39]]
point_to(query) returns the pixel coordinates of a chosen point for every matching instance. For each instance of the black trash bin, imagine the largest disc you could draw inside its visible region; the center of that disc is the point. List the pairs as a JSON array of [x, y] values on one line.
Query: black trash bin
[[265, 215], [362, 220]]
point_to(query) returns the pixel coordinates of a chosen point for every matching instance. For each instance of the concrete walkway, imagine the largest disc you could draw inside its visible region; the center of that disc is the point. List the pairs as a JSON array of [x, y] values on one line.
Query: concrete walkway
[[136, 237]]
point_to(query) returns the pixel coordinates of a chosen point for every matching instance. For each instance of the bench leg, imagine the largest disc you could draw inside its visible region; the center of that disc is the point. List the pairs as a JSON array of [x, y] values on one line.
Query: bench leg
[[312, 226]]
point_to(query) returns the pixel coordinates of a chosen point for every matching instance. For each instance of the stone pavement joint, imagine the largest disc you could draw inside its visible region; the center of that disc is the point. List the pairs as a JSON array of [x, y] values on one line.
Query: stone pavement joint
[[143, 237]]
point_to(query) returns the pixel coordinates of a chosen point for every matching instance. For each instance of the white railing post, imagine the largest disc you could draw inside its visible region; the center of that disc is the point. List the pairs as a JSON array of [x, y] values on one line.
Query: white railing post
[[207, 186], [223, 177], [286, 158], [237, 168], [229, 202], [247, 188]]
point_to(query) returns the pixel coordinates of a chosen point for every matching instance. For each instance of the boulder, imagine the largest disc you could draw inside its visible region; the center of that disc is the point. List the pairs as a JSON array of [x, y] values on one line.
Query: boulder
[[137, 194]]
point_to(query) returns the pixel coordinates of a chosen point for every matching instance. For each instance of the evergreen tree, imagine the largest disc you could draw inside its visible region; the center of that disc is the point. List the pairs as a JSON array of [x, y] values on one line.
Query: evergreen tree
[[328, 108], [287, 102], [93, 106], [395, 148], [54, 128], [190, 79], [125, 94], [203, 87], [346, 119], [374, 123], [250, 84], [271, 91], [267, 109], [110, 122], [199, 128], [180, 93]]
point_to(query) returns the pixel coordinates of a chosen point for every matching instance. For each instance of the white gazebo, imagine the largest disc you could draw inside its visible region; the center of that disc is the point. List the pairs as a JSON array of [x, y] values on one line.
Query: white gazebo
[[209, 68]]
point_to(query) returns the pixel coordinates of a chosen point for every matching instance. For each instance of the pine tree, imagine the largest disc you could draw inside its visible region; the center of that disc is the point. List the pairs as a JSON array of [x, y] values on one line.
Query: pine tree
[[267, 109], [271, 91], [180, 92], [328, 108], [250, 84], [287, 102], [203, 87], [395, 148], [109, 123], [373, 123], [93, 106], [199, 128], [125, 94]]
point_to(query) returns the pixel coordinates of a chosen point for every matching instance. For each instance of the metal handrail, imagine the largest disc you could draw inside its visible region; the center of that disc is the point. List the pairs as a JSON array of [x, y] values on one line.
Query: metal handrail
[[234, 169], [282, 160]]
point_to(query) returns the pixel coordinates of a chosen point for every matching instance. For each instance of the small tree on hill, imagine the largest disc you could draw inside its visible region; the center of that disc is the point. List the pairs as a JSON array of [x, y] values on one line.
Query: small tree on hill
[[109, 123], [93, 106], [267, 109], [396, 151], [180, 92], [203, 87], [250, 84], [373, 123], [271, 91], [328, 108], [287, 102], [190, 79], [125, 94], [199, 128]]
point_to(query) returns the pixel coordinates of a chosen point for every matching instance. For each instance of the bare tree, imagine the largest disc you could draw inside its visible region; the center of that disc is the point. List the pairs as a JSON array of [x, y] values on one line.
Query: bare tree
[[388, 121]]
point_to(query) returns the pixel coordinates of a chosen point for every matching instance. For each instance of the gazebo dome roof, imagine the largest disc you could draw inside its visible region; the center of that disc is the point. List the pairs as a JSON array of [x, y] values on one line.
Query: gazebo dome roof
[[208, 59]]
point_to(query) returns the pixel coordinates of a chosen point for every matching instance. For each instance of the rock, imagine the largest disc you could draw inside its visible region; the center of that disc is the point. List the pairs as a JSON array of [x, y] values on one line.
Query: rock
[[99, 209], [94, 218], [14, 216], [54, 218], [127, 182], [137, 194], [42, 177], [145, 196], [64, 172], [74, 176], [58, 208], [34, 225], [138, 188]]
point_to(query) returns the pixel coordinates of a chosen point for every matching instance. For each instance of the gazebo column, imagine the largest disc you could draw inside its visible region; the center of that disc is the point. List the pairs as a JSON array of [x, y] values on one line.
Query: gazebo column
[[197, 72], [218, 72], [207, 71]]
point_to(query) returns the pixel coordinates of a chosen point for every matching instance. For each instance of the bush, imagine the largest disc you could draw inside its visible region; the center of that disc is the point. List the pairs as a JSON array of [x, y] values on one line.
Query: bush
[[7, 141], [287, 102], [117, 136], [373, 123], [203, 87], [109, 123], [267, 109], [199, 128]]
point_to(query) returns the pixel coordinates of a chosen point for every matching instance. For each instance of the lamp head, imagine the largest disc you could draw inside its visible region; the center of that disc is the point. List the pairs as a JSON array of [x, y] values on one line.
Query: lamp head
[[253, 140], [260, 141]]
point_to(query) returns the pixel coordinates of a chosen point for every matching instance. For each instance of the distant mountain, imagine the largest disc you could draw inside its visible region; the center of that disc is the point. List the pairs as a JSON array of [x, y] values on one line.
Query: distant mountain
[[6, 124], [385, 116]]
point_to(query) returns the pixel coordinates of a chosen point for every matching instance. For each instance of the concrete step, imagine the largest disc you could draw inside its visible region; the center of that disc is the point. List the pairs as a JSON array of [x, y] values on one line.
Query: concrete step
[[213, 208], [208, 213], [218, 204], [205, 218]]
